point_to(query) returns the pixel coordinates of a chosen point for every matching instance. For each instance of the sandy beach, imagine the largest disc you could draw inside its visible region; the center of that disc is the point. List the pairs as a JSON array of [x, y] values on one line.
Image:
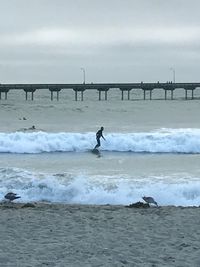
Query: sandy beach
[[87, 235]]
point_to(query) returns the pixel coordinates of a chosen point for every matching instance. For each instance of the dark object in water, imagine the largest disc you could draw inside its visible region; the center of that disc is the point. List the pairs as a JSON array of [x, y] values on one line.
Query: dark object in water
[[138, 205], [95, 151], [32, 128], [11, 196], [150, 200]]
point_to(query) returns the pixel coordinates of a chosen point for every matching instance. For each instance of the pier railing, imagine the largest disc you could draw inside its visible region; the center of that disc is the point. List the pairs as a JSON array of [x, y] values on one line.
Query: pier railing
[[103, 89]]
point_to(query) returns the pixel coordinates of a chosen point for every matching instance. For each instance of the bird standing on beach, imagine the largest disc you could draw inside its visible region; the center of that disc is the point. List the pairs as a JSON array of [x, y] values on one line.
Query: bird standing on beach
[[11, 196], [149, 200]]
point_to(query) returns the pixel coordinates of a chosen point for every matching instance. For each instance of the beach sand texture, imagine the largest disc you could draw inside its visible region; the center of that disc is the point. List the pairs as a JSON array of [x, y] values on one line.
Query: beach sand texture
[[86, 235]]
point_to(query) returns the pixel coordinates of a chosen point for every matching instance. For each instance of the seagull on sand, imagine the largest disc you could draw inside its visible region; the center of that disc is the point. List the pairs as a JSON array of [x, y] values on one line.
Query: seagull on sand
[[11, 196], [149, 200]]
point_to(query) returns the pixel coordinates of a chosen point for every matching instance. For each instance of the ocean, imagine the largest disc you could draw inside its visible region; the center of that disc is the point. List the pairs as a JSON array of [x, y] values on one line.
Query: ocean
[[152, 148]]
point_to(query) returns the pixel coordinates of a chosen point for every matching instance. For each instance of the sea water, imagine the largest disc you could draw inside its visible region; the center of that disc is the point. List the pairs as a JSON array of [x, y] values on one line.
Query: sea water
[[148, 151]]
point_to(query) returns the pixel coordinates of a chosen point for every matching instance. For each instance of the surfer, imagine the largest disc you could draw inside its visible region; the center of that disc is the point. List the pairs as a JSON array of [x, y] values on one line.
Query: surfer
[[99, 134]]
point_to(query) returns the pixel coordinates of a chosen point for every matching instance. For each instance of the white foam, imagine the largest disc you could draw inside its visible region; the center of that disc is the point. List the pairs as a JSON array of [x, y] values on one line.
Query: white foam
[[161, 141], [66, 188]]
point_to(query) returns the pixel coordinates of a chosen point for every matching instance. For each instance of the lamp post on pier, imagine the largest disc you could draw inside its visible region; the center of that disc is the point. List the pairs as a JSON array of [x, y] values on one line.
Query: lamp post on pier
[[83, 75], [174, 74]]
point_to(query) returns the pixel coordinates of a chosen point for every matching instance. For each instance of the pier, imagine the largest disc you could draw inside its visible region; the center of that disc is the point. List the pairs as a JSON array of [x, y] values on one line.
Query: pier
[[147, 89]]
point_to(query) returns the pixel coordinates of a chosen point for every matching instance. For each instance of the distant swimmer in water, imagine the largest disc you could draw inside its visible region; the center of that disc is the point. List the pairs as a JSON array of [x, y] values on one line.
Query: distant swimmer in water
[[99, 134], [32, 128]]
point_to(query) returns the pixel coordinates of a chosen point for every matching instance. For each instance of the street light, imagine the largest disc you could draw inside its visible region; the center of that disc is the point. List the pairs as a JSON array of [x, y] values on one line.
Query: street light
[[174, 74], [83, 75]]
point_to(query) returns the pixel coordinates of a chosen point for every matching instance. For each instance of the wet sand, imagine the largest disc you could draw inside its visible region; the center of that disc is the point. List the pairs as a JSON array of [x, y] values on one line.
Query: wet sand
[[86, 235]]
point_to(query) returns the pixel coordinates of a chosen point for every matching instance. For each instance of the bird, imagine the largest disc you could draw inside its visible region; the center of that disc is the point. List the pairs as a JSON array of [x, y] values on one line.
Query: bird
[[149, 200], [11, 196]]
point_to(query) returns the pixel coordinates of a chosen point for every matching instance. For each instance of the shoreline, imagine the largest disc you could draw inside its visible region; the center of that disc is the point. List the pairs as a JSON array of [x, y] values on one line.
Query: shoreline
[[38, 204]]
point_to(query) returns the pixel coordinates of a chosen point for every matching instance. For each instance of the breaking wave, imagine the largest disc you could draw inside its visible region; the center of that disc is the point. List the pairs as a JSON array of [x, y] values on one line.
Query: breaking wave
[[161, 141], [81, 189]]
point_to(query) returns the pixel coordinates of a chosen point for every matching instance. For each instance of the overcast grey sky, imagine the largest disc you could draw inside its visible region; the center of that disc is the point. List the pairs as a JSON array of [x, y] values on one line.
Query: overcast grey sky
[[49, 41]]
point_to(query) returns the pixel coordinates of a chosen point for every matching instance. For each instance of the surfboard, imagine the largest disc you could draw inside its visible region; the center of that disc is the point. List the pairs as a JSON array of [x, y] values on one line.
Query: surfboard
[[95, 151]]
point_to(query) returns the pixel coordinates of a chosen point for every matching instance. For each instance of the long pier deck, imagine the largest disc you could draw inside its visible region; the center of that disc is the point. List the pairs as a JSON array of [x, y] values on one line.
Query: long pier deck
[[102, 89]]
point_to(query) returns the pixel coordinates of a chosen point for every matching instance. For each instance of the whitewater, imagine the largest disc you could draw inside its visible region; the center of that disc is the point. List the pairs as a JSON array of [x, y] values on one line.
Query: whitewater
[[152, 148], [98, 189], [80, 179], [160, 141]]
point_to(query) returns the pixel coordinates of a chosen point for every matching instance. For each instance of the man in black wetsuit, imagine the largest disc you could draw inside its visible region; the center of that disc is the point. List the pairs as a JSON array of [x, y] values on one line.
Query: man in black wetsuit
[[99, 134]]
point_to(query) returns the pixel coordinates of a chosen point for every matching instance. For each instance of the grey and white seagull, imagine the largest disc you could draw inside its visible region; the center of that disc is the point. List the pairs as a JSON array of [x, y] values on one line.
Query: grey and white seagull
[[150, 200], [11, 196]]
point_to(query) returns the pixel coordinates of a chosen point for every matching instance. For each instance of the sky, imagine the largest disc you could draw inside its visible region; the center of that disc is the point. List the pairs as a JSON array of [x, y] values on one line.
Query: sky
[[55, 41]]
